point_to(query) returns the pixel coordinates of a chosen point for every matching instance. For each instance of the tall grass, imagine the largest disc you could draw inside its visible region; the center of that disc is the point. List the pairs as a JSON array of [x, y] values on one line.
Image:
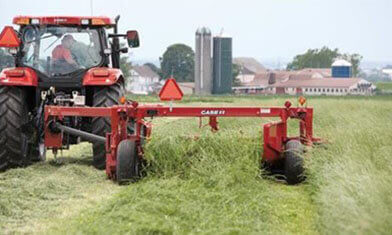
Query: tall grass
[[384, 86], [203, 182], [351, 177], [34, 198]]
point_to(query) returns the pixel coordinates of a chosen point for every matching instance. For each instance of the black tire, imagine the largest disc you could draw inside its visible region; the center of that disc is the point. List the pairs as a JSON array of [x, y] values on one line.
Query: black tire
[[129, 165], [14, 144], [106, 96], [293, 162]]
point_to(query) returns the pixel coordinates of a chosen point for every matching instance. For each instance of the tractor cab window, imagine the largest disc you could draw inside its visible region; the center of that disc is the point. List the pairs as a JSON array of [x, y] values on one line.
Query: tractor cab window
[[56, 50]]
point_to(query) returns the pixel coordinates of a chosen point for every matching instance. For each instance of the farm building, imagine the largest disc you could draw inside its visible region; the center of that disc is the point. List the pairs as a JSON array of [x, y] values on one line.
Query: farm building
[[307, 81], [143, 81], [249, 67], [188, 88], [341, 69], [387, 72], [203, 62]]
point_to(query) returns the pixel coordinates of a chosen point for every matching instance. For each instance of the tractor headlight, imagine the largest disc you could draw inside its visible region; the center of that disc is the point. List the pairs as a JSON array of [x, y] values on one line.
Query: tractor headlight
[[13, 51], [34, 21], [84, 22]]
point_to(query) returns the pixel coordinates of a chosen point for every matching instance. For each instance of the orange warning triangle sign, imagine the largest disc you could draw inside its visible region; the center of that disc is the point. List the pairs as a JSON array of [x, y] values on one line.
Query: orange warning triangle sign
[[8, 37], [170, 91]]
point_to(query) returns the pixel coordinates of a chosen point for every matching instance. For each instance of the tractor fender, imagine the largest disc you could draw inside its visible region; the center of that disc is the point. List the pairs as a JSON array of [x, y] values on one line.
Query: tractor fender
[[102, 76], [20, 76]]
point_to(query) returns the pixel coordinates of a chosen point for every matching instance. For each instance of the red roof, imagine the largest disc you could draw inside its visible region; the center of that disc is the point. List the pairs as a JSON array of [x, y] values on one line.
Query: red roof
[[64, 20], [262, 79], [305, 79], [316, 82], [326, 72], [145, 71]]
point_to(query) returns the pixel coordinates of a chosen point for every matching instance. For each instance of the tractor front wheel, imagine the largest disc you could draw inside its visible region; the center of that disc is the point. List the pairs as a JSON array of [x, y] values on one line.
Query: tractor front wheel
[[293, 162], [105, 96]]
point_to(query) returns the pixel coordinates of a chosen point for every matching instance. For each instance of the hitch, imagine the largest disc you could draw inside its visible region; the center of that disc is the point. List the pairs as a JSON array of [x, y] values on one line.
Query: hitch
[[56, 128]]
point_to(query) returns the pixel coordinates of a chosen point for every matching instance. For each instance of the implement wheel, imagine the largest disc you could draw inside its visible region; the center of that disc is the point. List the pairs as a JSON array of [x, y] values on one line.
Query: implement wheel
[[129, 165], [293, 162]]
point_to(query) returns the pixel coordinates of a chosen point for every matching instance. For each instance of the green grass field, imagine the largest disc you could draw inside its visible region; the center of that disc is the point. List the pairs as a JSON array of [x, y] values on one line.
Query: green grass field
[[384, 86], [201, 182]]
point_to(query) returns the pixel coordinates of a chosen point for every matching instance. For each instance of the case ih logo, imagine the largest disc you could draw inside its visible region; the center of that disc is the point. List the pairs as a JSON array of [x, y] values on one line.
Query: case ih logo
[[60, 20], [213, 112]]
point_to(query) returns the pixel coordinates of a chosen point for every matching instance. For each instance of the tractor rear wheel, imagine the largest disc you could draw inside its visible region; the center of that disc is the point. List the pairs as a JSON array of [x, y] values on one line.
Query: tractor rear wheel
[[105, 96], [14, 144], [293, 162], [129, 165]]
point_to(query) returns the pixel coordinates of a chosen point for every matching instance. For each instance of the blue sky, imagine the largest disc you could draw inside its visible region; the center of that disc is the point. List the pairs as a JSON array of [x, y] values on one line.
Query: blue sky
[[260, 28]]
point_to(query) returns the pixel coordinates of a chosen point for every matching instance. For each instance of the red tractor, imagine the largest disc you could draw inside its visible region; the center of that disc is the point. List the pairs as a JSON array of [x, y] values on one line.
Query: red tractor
[[64, 61]]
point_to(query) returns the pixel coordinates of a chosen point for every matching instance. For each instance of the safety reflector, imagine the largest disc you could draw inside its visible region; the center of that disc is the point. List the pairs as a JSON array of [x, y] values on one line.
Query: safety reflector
[[170, 91], [96, 21], [100, 73], [15, 72], [8, 37]]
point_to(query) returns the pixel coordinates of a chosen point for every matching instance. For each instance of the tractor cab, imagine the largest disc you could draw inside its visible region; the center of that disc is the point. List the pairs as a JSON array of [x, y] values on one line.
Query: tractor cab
[[57, 50], [65, 48]]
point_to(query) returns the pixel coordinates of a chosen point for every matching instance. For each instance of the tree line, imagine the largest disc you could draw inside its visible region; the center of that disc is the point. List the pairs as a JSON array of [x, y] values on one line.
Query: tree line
[[323, 58]]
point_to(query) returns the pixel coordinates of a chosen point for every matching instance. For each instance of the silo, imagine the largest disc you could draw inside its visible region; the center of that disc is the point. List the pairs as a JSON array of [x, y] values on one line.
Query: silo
[[223, 63], [203, 62], [341, 69]]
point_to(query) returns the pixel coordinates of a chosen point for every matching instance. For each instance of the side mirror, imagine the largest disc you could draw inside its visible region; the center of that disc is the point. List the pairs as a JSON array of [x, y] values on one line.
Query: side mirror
[[133, 38], [8, 38]]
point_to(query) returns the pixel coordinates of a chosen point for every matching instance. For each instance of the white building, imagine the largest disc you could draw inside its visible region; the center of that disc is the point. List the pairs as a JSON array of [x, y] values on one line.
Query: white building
[[143, 81], [308, 82], [388, 72]]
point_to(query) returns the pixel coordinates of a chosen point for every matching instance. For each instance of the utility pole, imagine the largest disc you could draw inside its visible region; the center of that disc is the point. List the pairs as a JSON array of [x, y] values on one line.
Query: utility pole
[[91, 7]]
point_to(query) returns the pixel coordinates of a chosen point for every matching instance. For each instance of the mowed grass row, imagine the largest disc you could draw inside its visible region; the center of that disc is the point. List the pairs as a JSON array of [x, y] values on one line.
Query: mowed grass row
[[35, 198], [200, 182]]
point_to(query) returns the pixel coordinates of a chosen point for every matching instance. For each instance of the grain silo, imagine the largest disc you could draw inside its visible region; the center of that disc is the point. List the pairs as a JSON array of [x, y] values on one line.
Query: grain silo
[[341, 69], [223, 63], [203, 62]]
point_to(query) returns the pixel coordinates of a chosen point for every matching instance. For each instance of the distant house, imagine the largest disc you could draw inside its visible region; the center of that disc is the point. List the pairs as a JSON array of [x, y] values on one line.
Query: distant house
[[143, 81], [388, 72], [306, 81], [188, 88], [249, 67]]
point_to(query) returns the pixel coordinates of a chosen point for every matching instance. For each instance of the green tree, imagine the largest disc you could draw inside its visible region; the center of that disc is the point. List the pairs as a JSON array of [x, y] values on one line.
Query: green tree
[[235, 72], [126, 67], [179, 61], [323, 58], [355, 60], [314, 58]]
